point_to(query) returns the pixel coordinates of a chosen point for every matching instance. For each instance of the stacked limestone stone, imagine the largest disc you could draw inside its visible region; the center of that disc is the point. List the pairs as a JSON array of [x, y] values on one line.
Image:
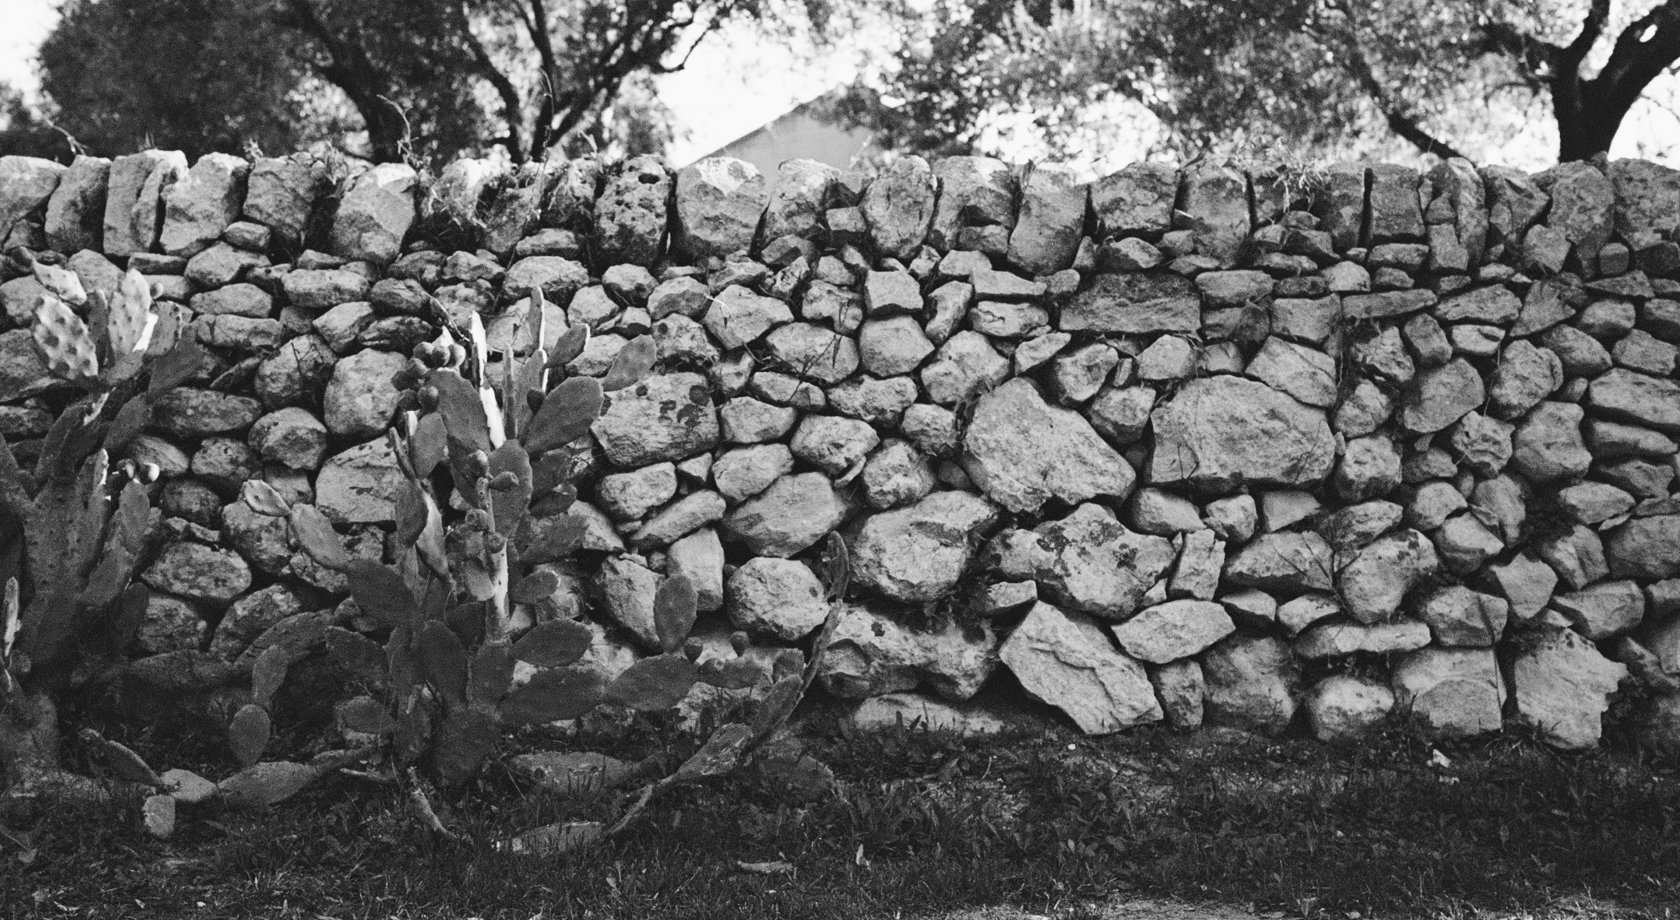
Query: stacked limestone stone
[[1166, 446]]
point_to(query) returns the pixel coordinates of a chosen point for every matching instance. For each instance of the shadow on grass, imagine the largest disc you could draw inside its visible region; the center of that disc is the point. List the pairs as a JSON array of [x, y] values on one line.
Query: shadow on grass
[[920, 823]]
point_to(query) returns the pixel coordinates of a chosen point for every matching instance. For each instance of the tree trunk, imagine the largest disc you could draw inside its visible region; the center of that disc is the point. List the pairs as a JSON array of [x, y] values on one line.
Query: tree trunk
[[1587, 118], [386, 132]]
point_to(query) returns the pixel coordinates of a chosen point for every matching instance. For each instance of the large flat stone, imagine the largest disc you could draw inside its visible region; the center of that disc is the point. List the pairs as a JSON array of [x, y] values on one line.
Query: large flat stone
[[1224, 432], [1023, 452]]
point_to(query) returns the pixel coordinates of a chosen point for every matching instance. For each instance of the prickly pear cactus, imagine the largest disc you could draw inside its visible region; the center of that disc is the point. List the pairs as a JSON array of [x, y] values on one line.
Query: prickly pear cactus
[[450, 601], [84, 517]]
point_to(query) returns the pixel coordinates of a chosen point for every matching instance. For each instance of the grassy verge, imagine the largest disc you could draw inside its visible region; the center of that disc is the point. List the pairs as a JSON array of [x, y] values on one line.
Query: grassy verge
[[921, 823]]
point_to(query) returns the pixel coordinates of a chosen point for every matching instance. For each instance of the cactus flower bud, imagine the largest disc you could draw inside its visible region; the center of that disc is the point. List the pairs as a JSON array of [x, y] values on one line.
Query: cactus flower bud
[[494, 543], [149, 473], [429, 398], [504, 481], [739, 642], [692, 649]]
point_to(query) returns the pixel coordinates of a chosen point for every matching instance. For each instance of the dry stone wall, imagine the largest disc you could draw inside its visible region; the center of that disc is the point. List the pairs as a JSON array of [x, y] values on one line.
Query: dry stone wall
[[1252, 448]]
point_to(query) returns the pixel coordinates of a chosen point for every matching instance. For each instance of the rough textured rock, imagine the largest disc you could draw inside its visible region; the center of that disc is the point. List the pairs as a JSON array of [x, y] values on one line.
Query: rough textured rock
[[872, 653], [1283, 561], [1548, 444], [793, 513], [776, 597], [292, 437], [973, 192], [1143, 302], [916, 711], [665, 417], [1373, 585], [1637, 398], [1137, 200], [1173, 630], [1305, 373], [1337, 637], [1223, 432], [361, 396], [1086, 561], [1050, 222], [699, 558], [893, 346], [1458, 616], [1603, 610], [26, 187], [921, 552], [965, 367], [250, 616], [630, 214], [628, 588], [22, 372], [833, 444], [1439, 396], [1215, 199], [281, 193], [1064, 659], [1022, 452], [719, 202], [898, 206], [814, 353], [1345, 707], [1251, 683], [375, 214], [1645, 547], [192, 412], [1453, 693], [744, 472], [75, 218], [804, 190], [897, 474], [197, 572], [203, 203], [1562, 686], [1582, 203], [134, 199], [359, 485]]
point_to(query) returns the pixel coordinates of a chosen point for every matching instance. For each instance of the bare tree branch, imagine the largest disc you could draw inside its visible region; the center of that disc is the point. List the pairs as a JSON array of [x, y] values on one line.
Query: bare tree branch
[[512, 107], [1598, 14], [1401, 122], [349, 67], [1648, 46]]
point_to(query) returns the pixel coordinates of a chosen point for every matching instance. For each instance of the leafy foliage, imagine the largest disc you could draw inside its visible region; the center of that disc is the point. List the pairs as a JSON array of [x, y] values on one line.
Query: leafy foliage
[[418, 78], [1439, 77]]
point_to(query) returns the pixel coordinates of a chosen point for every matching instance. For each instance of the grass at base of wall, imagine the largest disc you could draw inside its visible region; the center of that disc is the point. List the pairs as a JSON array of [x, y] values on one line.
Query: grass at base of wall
[[922, 823]]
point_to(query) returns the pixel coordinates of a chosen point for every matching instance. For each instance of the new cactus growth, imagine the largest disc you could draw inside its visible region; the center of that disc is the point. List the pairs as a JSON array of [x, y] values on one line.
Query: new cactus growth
[[83, 518]]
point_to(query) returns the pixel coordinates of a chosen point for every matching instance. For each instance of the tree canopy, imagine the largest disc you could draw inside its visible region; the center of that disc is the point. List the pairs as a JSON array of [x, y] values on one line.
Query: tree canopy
[[1440, 75], [427, 78]]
